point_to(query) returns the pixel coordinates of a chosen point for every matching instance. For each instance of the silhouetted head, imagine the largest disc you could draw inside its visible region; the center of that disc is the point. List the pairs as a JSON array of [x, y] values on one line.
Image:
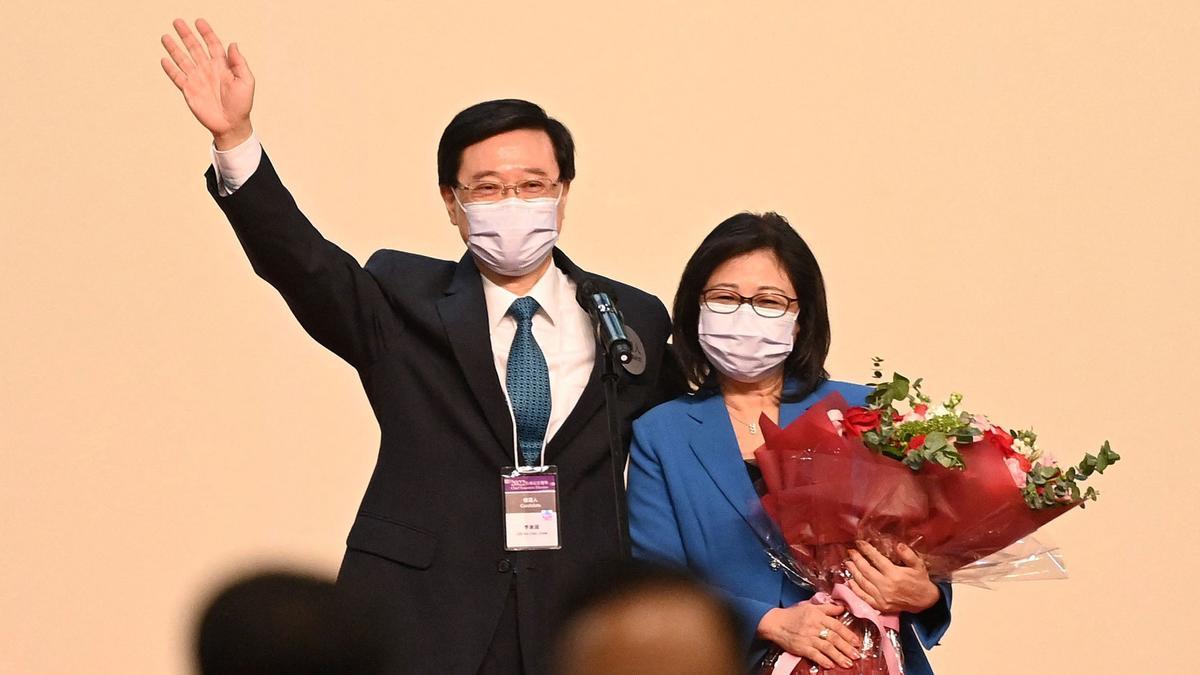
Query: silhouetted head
[[635, 618], [284, 622]]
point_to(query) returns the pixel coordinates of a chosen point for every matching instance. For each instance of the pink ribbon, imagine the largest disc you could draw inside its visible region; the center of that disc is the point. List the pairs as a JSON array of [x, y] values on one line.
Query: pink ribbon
[[842, 595], [845, 597]]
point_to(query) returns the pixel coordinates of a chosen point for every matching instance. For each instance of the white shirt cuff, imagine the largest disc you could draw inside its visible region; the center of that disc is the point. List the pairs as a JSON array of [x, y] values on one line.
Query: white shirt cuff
[[235, 165]]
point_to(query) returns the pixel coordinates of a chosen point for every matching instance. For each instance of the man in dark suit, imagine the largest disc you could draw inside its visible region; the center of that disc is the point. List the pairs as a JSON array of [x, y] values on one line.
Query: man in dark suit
[[479, 372]]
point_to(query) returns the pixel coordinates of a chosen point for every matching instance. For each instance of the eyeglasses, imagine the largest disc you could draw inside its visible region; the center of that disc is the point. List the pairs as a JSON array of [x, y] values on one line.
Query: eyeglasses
[[490, 191], [766, 305]]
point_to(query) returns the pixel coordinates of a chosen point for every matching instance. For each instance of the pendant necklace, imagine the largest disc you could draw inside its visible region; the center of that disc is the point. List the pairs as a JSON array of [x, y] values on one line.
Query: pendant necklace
[[752, 426]]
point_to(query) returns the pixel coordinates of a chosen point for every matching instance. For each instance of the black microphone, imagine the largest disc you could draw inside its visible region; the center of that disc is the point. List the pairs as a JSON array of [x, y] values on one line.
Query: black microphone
[[600, 302]]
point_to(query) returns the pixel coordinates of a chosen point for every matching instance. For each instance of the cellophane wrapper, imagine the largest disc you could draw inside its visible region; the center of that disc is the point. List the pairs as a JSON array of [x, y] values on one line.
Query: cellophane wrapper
[[826, 491]]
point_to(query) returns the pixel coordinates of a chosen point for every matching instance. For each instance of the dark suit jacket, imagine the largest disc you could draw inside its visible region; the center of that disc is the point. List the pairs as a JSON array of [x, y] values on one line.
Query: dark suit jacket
[[691, 504], [428, 537]]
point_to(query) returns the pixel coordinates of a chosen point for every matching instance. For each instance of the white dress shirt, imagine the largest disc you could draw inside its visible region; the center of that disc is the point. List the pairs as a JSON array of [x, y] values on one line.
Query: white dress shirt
[[563, 331], [235, 165], [561, 327]]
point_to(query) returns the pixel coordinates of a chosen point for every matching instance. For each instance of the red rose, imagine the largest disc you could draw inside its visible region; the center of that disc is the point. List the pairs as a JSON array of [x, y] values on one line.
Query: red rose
[[1005, 441], [916, 442], [921, 409], [858, 419], [1001, 437]]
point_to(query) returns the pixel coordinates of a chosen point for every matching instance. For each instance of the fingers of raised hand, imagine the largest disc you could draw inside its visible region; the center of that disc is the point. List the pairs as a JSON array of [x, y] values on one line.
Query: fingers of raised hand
[[174, 73], [181, 59], [194, 48], [215, 49], [237, 63]]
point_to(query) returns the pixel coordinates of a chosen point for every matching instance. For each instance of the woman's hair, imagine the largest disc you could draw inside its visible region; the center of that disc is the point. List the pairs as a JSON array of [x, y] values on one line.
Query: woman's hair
[[741, 234]]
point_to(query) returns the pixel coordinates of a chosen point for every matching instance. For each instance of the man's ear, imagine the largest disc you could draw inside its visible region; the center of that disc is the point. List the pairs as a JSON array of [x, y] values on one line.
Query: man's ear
[[451, 203], [562, 203]]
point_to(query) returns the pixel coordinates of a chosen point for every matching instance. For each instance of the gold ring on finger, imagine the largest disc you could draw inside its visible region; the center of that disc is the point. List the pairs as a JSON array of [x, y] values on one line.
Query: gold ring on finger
[[824, 634]]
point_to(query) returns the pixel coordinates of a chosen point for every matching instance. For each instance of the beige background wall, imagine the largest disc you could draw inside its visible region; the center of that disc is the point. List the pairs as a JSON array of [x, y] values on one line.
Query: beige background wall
[[1003, 196]]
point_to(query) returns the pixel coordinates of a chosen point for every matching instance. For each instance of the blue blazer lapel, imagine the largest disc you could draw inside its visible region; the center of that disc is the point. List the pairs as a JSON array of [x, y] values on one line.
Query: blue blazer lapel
[[715, 446]]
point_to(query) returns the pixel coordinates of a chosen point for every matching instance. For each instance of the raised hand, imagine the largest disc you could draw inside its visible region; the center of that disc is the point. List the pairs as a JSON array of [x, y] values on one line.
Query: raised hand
[[217, 85]]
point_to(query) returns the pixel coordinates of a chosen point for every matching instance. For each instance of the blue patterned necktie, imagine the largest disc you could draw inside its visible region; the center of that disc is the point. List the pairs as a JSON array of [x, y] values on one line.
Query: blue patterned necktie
[[528, 381]]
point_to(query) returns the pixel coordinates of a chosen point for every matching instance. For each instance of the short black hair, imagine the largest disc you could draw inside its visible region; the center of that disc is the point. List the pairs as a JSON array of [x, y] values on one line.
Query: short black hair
[[736, 236], [491, 118]]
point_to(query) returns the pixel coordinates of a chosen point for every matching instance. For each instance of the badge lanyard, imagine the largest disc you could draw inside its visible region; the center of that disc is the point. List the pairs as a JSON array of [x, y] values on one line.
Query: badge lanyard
[[529, 497]]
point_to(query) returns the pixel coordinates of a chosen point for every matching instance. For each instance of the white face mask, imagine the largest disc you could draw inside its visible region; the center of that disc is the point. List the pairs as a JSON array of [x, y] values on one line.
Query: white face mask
[[512, 236], [743, 345]]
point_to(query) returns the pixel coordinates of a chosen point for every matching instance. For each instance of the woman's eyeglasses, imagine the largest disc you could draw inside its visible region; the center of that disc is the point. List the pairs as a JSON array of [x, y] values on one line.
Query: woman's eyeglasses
[[766, 305]]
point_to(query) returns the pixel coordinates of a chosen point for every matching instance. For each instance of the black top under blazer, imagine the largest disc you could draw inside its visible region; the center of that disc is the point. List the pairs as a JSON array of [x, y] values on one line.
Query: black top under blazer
[[428, 540]]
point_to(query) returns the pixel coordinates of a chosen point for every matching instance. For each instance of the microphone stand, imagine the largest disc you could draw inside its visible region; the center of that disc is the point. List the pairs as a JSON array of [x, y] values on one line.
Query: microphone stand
[[610, 378]]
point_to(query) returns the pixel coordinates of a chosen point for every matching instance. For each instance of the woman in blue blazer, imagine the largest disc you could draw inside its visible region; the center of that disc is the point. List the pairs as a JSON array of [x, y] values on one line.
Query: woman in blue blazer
[[752, 332]]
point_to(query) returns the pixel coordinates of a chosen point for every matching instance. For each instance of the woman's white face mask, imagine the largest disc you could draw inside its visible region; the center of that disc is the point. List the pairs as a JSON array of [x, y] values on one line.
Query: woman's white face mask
[[744, 346], [512, 236]]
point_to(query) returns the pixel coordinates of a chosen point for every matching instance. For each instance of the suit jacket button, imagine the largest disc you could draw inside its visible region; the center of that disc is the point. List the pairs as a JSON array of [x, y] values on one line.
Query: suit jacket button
[[504, 565]]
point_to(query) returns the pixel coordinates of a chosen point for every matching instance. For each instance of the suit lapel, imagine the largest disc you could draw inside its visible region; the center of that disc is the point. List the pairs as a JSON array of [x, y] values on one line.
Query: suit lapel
[[592, 397], [464, 316], [713, 442], [591, 400]]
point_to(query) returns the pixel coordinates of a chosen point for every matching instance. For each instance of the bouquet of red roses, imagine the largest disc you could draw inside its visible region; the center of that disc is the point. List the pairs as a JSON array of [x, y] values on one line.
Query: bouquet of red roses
[[955, 488]]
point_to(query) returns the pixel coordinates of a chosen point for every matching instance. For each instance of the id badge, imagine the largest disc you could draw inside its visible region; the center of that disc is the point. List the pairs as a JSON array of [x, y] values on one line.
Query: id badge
[[530, 508]]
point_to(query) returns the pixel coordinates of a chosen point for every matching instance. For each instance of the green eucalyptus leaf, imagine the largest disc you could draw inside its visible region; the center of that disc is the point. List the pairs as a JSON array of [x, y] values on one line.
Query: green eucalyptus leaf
[[882, 395], [1088, 465], [1106, 458]]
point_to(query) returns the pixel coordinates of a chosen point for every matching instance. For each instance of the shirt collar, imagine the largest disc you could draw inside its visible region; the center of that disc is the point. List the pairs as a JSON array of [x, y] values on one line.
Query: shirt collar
[[548, 291]]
